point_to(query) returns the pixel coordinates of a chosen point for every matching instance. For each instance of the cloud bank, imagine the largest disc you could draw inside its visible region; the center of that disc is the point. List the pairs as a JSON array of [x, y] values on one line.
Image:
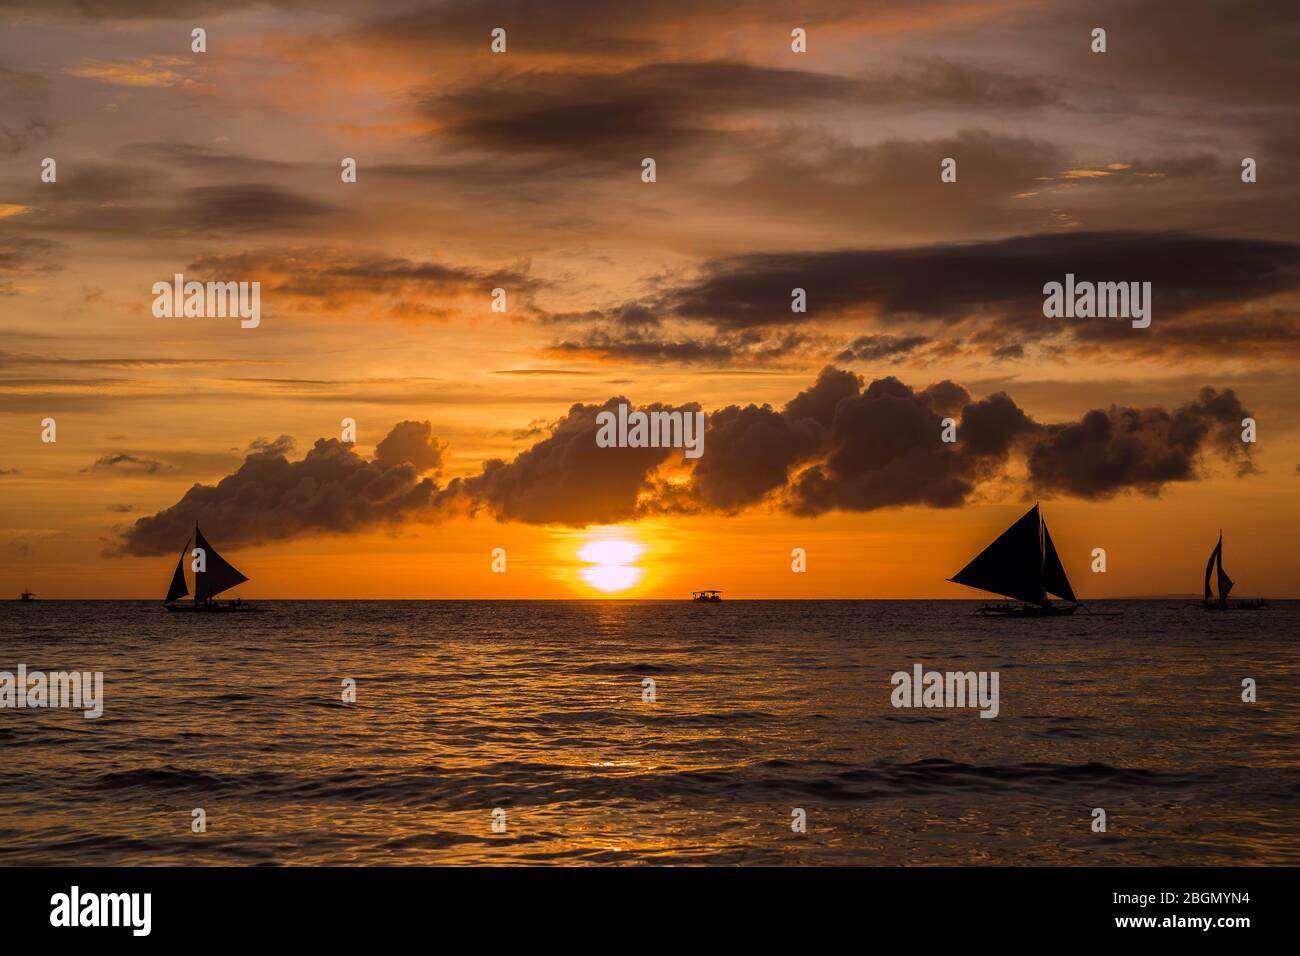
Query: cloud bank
[[842, 444]]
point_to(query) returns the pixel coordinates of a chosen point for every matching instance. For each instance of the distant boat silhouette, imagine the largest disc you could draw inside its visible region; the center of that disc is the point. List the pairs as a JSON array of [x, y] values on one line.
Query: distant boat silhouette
[[708, 597], [27, 597], [1021, 564], [218, 575], [1215, 564]]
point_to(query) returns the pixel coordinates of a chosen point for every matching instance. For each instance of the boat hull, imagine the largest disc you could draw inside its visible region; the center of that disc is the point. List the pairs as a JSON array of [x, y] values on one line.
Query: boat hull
[[1239, 606], [1027, 610], [209, 608]]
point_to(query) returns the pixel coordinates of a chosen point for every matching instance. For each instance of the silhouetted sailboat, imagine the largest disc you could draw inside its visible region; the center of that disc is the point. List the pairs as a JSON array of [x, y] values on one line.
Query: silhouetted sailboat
[[1215, 566], [218, 575], [1021, 564]]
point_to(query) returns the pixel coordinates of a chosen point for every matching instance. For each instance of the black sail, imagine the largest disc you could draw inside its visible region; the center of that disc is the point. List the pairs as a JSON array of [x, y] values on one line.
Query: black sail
[[220, 575], [179, 588], [1054, 577], [1225, 582], [1012, 565]]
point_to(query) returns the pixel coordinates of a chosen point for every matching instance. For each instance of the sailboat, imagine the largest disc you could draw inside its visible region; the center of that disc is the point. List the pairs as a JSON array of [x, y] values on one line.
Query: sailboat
[[217, 576], [1021, 564], [1215, 564]]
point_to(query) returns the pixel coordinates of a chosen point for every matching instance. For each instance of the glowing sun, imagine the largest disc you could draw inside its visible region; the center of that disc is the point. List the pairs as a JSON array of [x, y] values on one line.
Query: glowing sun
[[611, 564]]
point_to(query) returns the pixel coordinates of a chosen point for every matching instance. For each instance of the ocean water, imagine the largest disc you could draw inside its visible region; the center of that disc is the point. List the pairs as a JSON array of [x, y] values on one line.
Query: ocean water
[[761, 708]]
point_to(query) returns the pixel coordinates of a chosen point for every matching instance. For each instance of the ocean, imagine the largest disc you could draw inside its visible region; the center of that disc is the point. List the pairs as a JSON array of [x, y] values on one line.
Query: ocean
[[498, 732]]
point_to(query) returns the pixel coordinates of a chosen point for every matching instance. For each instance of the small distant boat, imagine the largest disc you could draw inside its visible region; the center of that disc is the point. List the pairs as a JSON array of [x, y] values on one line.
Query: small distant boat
[[708, 597], [1021, 564], [218, 575], [1225, 583], [27, 597]]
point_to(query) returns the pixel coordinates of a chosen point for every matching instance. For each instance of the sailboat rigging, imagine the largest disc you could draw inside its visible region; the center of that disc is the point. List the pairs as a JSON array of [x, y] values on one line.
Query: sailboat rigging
[[213, 575], [1021, 564]]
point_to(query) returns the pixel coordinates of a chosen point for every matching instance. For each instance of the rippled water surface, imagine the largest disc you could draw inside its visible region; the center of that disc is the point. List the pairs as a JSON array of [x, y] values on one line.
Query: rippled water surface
[[762, 707]]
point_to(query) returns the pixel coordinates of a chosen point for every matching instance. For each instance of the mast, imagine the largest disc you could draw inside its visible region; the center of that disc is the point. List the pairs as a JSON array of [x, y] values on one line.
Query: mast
[[1055, 580], [1225, 582]]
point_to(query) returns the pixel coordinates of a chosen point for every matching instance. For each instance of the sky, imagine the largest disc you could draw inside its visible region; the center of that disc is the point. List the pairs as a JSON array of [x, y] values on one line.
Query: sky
[[523, 170]]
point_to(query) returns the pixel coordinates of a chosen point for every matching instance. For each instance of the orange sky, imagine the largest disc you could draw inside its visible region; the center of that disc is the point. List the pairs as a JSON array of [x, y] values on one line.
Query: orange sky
[[522, 171]]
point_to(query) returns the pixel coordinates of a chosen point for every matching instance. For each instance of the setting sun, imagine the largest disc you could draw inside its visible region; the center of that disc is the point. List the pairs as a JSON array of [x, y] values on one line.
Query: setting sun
[[610, 563]]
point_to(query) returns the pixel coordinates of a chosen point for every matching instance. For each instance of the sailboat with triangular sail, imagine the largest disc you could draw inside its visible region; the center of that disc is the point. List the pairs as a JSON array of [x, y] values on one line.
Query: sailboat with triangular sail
[[1215, 566], [215, 576], [1021, 564]]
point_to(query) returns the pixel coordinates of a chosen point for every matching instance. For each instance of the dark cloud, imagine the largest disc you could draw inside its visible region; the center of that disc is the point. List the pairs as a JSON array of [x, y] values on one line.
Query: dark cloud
[[884, 449], [240, 207], [947, 397], [620, 116], [142, 199], [749, 454], [88, 183], [330, 279], [122, 461], [1005, 277], [841, 444], [875, 348], [634, 345], [990, 426], [752, 450], [837, 446], [1139, 449], [284, 445], [331, 490], [988, 291], [565, 478], [411, 443], [819, 402]]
